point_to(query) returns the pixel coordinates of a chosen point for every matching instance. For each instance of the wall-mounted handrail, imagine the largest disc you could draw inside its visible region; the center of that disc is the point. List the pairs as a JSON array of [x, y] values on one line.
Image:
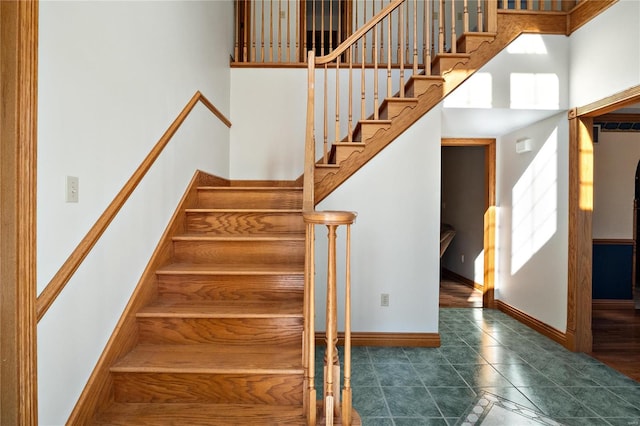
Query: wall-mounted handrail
[[68, 268]]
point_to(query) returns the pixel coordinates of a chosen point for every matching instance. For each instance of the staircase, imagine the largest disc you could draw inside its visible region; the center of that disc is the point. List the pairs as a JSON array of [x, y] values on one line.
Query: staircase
[[221, 341]]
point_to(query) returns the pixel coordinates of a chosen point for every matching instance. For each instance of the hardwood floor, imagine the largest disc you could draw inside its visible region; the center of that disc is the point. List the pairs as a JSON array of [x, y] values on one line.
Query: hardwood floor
[[457, 295], [616, 339]]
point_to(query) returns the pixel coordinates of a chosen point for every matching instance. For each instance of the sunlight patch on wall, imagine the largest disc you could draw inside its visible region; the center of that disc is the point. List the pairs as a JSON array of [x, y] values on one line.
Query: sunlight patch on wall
[[535, 200], [478, 268], [476, 92], [528, 44], [535, 91]]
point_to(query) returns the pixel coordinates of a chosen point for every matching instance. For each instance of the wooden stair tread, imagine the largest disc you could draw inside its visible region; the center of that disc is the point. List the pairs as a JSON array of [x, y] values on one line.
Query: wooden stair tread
[[230, 269], [252, 188], [204, 210], [328, 166], [212, 359], [223, 309], [371, 121], [138, 414], [241, 237]]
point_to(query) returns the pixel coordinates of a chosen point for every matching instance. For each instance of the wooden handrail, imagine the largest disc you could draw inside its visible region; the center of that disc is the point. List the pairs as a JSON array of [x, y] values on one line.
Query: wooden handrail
[[359, 33], [68, 268]]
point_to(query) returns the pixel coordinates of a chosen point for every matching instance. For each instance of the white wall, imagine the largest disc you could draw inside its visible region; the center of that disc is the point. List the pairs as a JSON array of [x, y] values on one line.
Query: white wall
[[112, 77], [269, 109], [395, 240], [532, 199], [615, 158], [605, 54], [464, 199]]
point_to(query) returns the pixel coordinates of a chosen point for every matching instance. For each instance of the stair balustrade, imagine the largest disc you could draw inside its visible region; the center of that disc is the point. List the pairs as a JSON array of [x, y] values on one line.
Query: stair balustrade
[[336, 403]]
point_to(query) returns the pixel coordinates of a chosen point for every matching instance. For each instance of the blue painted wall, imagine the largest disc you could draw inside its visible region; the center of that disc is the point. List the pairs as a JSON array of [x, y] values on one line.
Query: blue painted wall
[[612, 271]]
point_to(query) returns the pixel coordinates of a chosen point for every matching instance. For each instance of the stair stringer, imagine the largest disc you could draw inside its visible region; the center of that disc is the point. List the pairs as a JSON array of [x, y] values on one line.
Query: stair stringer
[[509, 27], [97, 393]]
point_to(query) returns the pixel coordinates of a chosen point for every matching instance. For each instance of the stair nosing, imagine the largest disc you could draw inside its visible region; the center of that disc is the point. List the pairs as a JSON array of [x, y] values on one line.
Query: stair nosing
[[252, 188], [213, 210], [288, 236], [215, 269]]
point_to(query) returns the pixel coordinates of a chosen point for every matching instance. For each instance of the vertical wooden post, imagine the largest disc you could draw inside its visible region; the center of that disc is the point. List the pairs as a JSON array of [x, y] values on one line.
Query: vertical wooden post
[[18, 151], [454, 36], [491, 10], [415, 37], [402, 52], [579, 335], [346, 391]]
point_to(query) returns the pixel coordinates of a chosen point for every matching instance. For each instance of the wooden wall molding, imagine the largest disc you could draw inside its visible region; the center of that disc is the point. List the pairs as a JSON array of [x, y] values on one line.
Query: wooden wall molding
[[363, 338], [613, 242], [18, 168], [529, 321], [619, 304], [610, 103]]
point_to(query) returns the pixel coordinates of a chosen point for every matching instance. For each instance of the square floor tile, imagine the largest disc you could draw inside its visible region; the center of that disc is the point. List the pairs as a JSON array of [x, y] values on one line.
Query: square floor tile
[[603, 402], [453, 402], [555, 402], [369, 402], [410, 402]]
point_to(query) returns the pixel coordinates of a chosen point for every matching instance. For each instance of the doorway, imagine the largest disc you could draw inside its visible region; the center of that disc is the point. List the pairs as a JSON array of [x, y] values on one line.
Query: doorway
[[467, 261]]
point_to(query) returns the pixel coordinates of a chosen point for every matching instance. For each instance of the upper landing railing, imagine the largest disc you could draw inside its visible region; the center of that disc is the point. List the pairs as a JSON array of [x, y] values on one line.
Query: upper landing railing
[[281, 32]]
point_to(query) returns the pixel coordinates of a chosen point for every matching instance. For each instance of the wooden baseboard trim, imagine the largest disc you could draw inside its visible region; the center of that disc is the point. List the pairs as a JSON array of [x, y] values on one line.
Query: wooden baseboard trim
[[421, 340], [613, 304], [446, 273], [537, 325]]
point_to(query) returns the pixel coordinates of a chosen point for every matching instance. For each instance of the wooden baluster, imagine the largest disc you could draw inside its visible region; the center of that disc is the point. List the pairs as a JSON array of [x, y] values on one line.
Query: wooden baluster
[[491, 11], [554, 5], [530, 4], [245, 48], [262, 33], [406, 30], [415, 37], [454, 36], [313, 25], [518, 4], [288, 22], [389, 94], [426, 43], [441, 26], [466, 16], [253, 32], [350, 122], [346, 391], [311, 309], [322, 53], [331, 356], [364, 39], [382, 35], [375, 73], [402, 40], [297, 51], [480, 18], [326, 128], [330, 30], [356, 26], [270, 30], [236, 49], [337, 135], [279, 31], [362, 80]]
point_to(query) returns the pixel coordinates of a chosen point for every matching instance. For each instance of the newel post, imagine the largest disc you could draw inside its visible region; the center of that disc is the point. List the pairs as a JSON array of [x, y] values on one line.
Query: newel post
[[331, 385]]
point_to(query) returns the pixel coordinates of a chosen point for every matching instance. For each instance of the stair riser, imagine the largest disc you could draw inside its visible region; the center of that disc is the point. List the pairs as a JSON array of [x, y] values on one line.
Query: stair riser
[[244, 223], [230, 287], [245, 199], [445, 64], [269, 331], [393, 109], [367, 131], [418, 87], [280, 389], [240, 252], [344, 152]]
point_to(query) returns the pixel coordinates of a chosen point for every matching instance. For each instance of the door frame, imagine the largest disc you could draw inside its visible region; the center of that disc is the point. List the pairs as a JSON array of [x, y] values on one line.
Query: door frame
[[18, 282], [489, 144], [579, 337]]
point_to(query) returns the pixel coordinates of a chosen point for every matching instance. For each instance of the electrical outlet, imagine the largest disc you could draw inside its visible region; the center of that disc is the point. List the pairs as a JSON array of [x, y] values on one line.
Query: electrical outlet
[[462, 258], [73, 185], [384, 299]]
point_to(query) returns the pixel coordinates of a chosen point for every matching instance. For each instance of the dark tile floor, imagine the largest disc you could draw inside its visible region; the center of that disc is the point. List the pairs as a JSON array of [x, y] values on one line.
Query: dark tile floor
[[485, 352]]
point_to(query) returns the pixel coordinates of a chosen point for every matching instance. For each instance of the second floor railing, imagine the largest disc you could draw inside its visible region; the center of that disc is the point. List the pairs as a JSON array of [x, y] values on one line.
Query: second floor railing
[[283, 31]]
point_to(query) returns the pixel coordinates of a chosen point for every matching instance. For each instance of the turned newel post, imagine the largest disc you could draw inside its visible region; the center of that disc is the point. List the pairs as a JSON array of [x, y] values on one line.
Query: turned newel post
[[331, 387]]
